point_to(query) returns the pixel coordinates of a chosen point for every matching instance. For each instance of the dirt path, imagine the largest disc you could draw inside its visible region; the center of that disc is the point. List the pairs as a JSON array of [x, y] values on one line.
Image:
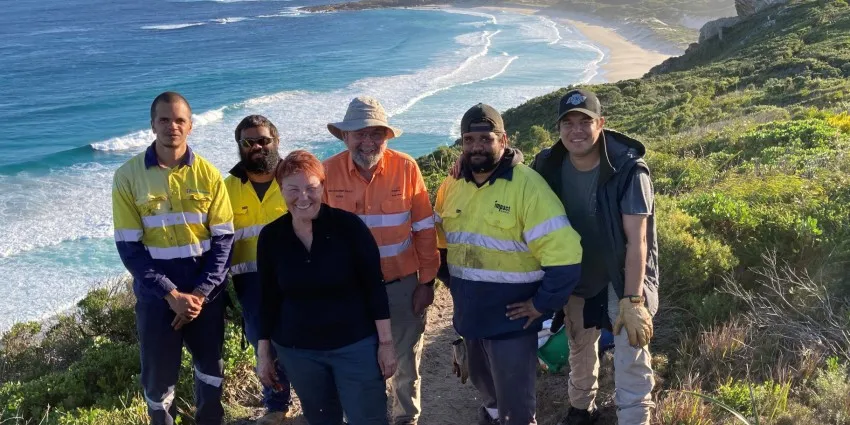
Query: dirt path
[[445, 401]]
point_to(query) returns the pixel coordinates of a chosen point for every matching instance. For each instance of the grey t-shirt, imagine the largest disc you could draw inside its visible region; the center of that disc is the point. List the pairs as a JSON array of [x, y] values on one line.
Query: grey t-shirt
[[578, 193]]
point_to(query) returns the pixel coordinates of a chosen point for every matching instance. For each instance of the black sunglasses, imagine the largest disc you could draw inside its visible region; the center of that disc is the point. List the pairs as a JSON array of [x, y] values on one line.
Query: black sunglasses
[[247, 142]]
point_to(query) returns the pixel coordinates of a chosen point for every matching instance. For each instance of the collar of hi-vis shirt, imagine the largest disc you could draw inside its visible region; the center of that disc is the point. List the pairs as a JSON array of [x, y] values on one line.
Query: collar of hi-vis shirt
[[152, 161], [379, 169]]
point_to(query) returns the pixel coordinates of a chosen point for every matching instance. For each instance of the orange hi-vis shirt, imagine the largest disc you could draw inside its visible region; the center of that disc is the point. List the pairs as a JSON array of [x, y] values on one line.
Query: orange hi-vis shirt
[[396, 208]]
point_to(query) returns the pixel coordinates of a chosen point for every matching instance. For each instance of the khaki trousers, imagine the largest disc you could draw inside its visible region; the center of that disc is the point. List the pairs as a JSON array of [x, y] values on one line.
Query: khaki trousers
[[407, 334], [633, 377]]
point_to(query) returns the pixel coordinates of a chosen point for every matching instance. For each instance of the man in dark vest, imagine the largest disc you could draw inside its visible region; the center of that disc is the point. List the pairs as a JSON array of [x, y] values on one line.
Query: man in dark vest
[[604, 183]]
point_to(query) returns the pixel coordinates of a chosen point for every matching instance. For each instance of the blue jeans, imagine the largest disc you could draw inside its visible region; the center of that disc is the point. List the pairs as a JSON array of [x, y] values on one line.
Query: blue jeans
[[330, 381], [247, 288]]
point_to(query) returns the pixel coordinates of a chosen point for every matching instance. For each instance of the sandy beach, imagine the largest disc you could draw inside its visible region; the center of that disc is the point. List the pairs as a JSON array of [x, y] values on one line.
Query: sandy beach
[[624, 58]]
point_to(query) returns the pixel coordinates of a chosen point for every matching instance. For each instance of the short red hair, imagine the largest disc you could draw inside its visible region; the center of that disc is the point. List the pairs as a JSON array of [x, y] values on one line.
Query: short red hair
[[299, 161]]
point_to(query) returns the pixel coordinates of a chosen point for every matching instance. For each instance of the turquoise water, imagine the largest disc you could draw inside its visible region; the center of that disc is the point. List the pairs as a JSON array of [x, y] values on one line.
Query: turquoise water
[[77, 78]]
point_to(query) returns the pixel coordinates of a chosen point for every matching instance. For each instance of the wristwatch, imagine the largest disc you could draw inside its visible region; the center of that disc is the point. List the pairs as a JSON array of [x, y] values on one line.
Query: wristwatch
[[635, 299]]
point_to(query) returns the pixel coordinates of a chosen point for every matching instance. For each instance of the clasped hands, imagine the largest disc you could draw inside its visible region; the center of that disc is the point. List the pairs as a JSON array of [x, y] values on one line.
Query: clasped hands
[[186, 307]]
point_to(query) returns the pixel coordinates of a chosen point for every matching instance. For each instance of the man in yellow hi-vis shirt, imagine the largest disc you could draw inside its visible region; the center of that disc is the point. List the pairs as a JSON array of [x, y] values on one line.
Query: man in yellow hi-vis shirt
[[256, 201], [174, 231], [512, 259]]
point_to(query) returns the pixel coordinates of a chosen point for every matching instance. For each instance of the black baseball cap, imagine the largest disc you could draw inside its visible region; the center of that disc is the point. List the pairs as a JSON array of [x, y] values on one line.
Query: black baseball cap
[[482, 117], [583, 101]]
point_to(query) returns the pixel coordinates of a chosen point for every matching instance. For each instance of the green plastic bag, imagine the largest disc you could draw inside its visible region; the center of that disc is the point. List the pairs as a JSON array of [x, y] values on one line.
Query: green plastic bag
[[555, 353]]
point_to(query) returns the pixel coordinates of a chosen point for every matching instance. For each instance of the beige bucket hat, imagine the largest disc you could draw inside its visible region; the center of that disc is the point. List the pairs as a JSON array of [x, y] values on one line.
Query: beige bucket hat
[[363, 111]]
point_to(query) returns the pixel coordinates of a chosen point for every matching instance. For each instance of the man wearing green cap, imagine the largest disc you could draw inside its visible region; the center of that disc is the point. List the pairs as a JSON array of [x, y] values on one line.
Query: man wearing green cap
[[604, 183], [512, 259]]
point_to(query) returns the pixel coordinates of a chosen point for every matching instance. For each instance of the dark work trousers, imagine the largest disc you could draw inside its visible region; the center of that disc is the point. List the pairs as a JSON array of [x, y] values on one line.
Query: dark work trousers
[[504, 371], [329, 382], [162, 347], [247, 286]]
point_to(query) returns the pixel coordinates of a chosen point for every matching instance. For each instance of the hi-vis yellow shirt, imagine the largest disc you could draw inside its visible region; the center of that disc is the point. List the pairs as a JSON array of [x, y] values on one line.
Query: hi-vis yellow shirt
[[250, 215], [505, 230], [173, 226], [507, 241]]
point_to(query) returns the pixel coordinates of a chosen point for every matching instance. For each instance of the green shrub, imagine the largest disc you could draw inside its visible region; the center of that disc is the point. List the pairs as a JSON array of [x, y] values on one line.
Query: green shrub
[[109, 313], [806, 134], [673, 174], [104, 374], [770, 397], [132, 412], [758, 215], [691, 261], [831, 397], [538, 139]]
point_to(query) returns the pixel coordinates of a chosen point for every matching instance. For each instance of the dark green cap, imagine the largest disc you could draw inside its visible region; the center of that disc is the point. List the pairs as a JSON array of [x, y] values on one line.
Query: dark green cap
[[482, 117]]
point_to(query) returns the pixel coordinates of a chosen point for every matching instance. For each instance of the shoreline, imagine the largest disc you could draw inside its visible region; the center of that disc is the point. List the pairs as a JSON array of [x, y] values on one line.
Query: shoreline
[[624, 59], [629, 51]]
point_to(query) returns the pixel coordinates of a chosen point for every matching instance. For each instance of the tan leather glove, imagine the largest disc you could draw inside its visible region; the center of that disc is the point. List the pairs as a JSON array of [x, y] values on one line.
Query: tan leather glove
[[637, 321], [460, 362]]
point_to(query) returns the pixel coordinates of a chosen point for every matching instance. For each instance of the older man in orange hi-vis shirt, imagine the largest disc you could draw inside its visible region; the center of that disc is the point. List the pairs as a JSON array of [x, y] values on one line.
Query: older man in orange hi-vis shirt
[[385, 188]]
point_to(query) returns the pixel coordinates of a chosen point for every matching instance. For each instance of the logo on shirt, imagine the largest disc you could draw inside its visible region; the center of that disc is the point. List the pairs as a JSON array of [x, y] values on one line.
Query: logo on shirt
[[339, 193], [503, 208], [576, 99]]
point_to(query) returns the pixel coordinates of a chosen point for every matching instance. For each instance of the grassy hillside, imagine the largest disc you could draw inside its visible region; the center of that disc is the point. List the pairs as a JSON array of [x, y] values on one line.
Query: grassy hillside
[[748, 140]]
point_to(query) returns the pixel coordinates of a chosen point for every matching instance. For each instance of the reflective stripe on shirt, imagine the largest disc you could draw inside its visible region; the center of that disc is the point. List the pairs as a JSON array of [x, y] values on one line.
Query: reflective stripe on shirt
[[394, 249], [184, 251], [242, 268], [546, 227], [128, 235], [496, 276], [385, 220], [485, 241], [248, 232], [173, 219], [425, 223]]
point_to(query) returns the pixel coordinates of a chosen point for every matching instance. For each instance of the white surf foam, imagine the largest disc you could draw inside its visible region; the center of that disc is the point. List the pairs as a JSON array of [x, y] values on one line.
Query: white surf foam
[[208, 117], [592, 67], [224, 21], [289, 12], [169, 27], [134, 140], [490, 18], [556, 32], [143, 138]]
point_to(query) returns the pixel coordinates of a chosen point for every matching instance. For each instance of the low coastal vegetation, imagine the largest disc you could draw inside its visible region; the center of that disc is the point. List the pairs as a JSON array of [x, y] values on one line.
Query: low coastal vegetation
[[748, 139]]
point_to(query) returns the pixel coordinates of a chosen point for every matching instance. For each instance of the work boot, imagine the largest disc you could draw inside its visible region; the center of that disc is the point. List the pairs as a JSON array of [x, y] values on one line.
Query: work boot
[[484, 418], [273, 418], [580, 417]]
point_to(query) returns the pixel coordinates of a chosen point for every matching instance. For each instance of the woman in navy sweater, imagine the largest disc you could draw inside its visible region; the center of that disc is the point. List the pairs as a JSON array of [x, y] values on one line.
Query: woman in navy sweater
[[324, 305]]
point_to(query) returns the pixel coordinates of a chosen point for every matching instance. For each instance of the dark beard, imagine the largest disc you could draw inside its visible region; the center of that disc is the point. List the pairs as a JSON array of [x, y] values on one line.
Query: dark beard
[[264, 164], [485, 167]]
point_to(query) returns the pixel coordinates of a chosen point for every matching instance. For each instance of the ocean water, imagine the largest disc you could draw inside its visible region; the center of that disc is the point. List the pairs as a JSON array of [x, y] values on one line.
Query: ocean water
[[77, 78]]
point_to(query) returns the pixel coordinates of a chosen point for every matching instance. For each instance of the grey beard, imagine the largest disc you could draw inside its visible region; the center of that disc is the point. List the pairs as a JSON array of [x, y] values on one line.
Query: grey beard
[[364, 161]]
